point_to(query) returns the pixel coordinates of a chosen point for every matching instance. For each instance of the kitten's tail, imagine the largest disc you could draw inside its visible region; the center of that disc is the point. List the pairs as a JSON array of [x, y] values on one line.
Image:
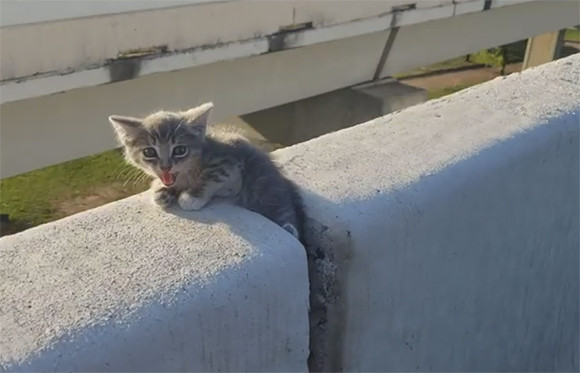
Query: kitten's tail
[[299, 212]]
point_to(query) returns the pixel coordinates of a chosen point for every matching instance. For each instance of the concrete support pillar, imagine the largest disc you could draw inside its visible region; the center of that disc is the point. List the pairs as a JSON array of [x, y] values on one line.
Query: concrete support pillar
[[543, 48]]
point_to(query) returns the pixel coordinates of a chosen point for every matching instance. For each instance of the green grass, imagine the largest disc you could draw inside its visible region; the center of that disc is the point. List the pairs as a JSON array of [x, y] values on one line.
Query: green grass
[[572, 34], [445, 65], [436, 93], [34, 198], [514, 52]]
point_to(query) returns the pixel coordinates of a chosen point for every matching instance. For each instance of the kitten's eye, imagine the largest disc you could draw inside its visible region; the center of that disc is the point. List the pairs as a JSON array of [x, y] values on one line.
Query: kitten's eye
[[149, 153], [179, 151]]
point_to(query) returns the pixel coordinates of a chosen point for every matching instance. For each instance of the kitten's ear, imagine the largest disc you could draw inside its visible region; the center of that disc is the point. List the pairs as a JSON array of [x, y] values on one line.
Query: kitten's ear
[[198, 117], [126, 127]]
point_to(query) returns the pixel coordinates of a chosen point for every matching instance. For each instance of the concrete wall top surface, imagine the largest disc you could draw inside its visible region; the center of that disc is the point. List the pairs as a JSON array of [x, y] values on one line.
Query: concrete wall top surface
[[127, 287]]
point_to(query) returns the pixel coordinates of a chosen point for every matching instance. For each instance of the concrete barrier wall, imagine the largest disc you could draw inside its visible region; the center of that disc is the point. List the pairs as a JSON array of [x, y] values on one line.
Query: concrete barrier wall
[[127, 287], [444, 238]]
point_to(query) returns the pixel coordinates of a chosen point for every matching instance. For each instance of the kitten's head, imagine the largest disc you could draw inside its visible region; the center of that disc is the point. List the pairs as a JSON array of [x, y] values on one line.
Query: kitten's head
[[165, 144]]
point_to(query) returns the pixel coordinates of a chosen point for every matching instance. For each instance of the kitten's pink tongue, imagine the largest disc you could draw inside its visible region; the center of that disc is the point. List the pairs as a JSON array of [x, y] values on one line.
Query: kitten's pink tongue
[[167, 178]]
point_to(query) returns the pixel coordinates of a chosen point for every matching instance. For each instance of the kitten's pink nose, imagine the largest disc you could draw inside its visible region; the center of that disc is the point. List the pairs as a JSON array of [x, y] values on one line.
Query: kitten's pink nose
[[165, 168]]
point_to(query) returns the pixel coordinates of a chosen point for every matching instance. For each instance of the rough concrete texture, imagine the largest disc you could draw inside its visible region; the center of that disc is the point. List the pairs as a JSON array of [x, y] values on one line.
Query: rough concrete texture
[[445, 237], [127, 287]]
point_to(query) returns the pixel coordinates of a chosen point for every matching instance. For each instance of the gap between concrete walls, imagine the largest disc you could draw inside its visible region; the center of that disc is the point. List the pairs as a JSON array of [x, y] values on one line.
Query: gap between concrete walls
[[328, 249]]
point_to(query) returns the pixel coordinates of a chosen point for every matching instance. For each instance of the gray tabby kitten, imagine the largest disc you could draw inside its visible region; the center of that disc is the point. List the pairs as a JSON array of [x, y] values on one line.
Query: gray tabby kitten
[[192, 164]]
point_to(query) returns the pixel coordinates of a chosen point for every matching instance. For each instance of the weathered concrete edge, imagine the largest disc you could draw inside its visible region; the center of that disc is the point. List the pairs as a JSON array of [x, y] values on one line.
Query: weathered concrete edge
[[226, 299], [481, 117]]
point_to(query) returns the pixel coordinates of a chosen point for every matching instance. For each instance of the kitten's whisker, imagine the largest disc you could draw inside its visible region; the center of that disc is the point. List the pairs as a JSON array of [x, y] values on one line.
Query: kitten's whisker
[[141, 179], [179, 125], [124, 172], [118, 170], [115, 171], [137, 176], [130, 176]]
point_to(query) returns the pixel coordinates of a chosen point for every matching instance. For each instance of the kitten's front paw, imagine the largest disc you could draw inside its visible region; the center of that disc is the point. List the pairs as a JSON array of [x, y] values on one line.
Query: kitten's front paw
[[163, 197], [188, 202]]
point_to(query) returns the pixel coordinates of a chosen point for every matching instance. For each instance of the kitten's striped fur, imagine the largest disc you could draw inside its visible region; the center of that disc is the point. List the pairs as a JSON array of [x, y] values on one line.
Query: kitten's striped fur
[[191, 164]]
